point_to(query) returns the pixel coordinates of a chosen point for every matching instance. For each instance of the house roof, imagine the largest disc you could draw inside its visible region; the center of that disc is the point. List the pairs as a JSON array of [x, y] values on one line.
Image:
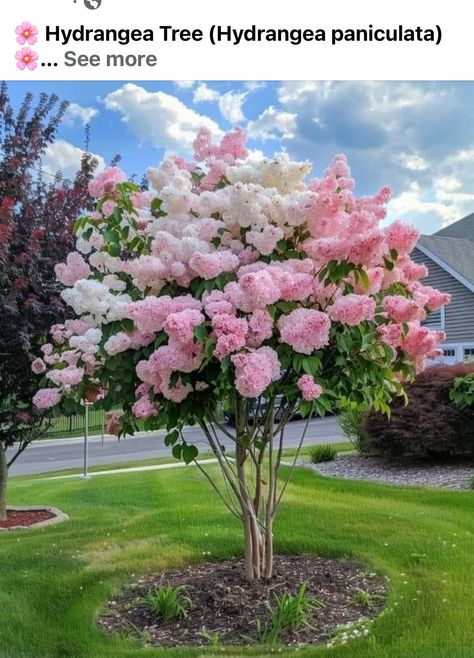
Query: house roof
[[455, 255], [462, 229]]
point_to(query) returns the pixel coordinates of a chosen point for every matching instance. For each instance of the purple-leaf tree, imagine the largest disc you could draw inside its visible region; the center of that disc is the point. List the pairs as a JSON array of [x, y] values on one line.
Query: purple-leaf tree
[[36, 216], [234, 284]]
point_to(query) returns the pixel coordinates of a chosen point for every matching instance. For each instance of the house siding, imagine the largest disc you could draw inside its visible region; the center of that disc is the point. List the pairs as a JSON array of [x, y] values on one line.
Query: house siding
[[459, 314]]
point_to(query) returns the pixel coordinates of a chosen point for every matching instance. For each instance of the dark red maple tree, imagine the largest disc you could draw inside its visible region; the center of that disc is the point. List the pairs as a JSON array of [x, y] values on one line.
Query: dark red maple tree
[[36, 212]]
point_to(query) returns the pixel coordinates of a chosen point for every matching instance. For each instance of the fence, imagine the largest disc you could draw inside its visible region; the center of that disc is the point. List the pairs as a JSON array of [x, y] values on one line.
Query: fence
[[68, 426]]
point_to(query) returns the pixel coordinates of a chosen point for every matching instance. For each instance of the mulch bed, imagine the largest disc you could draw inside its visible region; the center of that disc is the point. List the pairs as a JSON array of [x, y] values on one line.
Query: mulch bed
[[224, 603], [25, 518], [449, 475]]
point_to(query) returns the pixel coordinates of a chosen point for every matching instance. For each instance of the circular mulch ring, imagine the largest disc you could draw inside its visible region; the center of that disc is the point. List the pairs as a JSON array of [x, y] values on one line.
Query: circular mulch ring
[[226, 609], [26, 518], [377, 469]]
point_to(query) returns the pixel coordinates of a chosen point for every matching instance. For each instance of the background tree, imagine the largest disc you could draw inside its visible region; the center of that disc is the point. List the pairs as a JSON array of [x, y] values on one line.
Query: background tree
[[35, 231], [234, 282]]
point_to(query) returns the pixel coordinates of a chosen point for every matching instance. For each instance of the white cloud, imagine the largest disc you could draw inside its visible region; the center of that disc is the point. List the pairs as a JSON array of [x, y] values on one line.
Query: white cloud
[[78, 113], [254, 85], [230, 106], [204, 94], [272, 124], [158, 118], [65, 157], [230, 103], [185, 84]]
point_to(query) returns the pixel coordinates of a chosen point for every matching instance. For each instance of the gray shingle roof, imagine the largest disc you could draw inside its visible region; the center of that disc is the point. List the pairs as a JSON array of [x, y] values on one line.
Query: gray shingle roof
[[457, 254], [462, 229]]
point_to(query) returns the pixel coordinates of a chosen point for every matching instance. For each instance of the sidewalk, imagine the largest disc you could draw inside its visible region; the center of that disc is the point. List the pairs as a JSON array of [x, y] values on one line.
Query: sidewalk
[[130, 469]]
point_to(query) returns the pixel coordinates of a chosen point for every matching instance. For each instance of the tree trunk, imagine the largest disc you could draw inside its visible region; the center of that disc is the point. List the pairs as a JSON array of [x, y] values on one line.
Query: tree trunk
[[3, 483], [258, 536]]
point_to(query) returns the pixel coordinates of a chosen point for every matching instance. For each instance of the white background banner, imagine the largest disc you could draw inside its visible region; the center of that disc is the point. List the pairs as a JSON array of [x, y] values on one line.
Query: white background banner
[[147, 40]]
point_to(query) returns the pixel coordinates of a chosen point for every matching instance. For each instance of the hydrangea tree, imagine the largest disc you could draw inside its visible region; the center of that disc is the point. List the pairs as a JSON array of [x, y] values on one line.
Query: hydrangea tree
[[236, 284]]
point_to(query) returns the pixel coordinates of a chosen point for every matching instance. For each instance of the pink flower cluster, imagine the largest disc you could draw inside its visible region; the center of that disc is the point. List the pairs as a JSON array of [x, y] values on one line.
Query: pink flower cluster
[[401, 309], [352, 309], [308, 387], [305, 330], [74, 269], [46, 398], [255, 370], [105, 182], [231, 148]]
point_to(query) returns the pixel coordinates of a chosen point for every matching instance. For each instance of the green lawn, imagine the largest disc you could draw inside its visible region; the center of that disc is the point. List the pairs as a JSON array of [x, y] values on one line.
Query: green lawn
[[53, 581]]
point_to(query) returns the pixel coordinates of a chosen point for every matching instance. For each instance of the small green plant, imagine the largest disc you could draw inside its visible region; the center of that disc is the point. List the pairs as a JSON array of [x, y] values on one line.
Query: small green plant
[[289, 612], [324, 453], [213, 638], [352, 426], [362, 597], [168, 602], [462, 391], [131, 633]]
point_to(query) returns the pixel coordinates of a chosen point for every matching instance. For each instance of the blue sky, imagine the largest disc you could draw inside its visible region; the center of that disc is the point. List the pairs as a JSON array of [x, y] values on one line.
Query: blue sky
[[417, 137]]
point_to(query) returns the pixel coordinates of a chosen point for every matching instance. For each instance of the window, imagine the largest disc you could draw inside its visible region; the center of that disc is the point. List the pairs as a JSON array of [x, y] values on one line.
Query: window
[[450, 351], [468, 351]]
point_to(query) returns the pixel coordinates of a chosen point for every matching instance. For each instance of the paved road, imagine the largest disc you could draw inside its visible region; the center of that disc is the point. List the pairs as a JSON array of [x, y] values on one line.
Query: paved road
[[58, 454]]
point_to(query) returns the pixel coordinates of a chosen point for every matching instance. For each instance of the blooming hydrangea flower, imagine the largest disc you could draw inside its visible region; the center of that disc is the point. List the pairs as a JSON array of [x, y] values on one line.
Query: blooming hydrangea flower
[[352, 309], [231, 333], [308, 387], [306, 330], [401, 309], [255, 370], [144, 408], [73, 270], [38, 366], [105, 182], [46, 398], [113, 423], [117, 343]]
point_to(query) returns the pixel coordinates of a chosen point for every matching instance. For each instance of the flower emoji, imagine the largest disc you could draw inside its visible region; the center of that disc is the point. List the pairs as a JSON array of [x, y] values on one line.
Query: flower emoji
[[26, 59], [26, 33]]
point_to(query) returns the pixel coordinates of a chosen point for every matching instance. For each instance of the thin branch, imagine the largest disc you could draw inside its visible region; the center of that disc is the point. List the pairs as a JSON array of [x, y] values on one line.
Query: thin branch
[[233, 510], [298, 449]]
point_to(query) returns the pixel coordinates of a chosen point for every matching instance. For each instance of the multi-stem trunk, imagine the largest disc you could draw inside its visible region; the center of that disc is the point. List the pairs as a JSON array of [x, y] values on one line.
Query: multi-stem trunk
[[257, 517], [3, 483]]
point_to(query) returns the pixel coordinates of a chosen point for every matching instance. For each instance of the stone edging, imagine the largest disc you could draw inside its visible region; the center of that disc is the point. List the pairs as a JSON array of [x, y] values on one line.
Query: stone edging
[[59, 516]]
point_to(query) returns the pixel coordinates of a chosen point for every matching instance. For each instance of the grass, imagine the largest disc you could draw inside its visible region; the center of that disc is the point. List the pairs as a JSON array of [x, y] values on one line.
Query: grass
[[322, 453], [54, 581], [168, 602], [288, 611]]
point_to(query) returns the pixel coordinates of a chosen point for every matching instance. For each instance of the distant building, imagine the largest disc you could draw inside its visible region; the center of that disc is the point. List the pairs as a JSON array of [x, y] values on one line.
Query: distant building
[[449, 256]]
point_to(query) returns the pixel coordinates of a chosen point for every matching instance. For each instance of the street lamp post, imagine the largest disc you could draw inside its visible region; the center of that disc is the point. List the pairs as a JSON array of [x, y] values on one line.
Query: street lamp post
[[85, 475]]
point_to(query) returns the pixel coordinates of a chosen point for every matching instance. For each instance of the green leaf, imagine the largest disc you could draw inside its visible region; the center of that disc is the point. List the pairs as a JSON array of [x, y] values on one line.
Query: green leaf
[[127, 324], [156, 206], [171, 438], [200, 332], [177, 451], [111, 236], [189, 453], [114, 250], [305, 408]]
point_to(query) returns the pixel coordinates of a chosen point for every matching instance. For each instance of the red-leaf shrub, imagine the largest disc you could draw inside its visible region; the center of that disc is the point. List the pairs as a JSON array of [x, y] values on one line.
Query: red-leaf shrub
[[431, 425]]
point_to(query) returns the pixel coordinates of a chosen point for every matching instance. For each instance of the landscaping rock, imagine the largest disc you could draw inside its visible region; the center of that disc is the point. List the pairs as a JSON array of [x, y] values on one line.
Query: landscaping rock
[[378, 469]]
